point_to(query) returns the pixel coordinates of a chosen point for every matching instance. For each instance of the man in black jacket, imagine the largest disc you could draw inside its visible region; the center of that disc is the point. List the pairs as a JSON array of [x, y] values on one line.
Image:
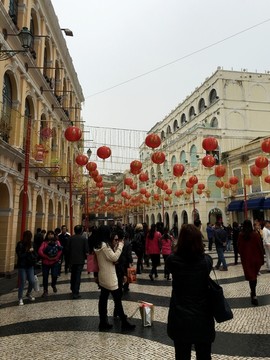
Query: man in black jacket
[[221, 237], [77, 250]]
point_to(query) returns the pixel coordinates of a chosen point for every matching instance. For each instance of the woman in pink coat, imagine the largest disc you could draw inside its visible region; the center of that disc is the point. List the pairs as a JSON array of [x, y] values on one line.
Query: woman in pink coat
[[152, 248], [166, 250], [251, 253]]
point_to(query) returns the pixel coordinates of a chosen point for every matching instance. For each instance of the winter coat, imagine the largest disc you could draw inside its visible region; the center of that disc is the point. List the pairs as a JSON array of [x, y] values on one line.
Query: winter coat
[[46, 260], [107, 258], [77, 249], [190, 319], [221, 237], [152, 246], [26, 259], [166, 246], [251, 253]]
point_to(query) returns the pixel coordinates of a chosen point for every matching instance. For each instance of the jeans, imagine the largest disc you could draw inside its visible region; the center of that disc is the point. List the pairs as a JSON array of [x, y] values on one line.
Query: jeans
[[75, 279], [221, 258], [166, 271], [103, 304], [25, 273], [183, 351], [45, 273]]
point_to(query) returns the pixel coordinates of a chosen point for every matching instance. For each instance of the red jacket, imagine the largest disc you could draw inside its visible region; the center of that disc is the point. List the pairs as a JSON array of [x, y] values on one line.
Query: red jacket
[[46, 260], [152, 246], [166, 246]]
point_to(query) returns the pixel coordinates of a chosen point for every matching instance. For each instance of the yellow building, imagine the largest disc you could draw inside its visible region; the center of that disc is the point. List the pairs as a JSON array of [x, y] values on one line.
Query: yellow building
[[231, 106], [41, 97]]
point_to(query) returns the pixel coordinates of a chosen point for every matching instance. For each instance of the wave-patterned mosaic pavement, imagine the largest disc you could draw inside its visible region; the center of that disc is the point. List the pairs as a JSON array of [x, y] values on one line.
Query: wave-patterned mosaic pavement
[[62, 328]]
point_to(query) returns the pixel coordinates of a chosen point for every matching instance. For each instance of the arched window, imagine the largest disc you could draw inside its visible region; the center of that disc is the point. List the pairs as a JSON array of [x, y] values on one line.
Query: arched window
[[173, 161], [166, 170], [5, 120], [27, 113], [175, 125], [193, 156], [183, 119], [183, 157], [213, 96], [214, 122], [168, 130], [162, 135], [13, 11], [202, 105], [191, 113], [214, 191]]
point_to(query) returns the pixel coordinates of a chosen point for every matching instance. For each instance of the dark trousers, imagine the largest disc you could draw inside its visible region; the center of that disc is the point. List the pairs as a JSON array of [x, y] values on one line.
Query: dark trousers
[[183, 351], [210, 244], [166, 271], [139, 268], [103, 304], [75, 279], [46, 269], [155, 260], [235, 250]]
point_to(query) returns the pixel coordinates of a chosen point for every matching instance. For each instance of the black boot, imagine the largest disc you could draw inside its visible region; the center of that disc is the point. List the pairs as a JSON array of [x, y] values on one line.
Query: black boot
[[104, 326], [126, 325]]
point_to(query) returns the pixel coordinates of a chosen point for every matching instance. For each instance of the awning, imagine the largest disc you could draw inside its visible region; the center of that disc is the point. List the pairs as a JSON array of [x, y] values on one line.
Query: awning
[[266, 204], [236, 205], [255, 203]]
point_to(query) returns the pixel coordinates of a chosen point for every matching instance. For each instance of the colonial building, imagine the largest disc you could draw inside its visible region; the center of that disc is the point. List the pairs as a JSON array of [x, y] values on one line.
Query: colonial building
[[41, 98], [231, 106]]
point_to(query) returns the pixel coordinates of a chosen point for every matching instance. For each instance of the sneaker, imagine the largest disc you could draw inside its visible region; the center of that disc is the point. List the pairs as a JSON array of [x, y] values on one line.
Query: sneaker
[[21, 302], [30, 297], [223, 269]]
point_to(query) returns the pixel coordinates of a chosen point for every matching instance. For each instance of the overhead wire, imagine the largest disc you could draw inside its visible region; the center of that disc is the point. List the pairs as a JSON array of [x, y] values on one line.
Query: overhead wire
[[179, 59]]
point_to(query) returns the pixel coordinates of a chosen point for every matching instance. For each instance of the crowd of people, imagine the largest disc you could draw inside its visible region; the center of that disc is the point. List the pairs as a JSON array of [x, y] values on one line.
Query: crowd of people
[[190, 320]]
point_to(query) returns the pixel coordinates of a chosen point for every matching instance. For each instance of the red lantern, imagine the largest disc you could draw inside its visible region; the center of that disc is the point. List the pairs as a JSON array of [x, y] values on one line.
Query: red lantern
[[267, 179], [111, 199], [201, 186], [248, 181], [220, 170], [135, 167], [153, 141], [210, 144], [158, 157], [179, 193], [124, 194], [128, 181], [266, 145], [81, 159], [143, 177], [104, 152], [98, 179], [99, 184], [94, 173], [113, 189], [156, 196], [73, 133], [165, 187], [261, 162], [227, 185], [168, 191], [143, 191], [188, 184], [255, 171], [189, 190], [233, 180], [219, 183], [178, 169], [133, 186], [208, 161], [193, 180], [147, 194], [199, 191], [159, 183], [91, 166]]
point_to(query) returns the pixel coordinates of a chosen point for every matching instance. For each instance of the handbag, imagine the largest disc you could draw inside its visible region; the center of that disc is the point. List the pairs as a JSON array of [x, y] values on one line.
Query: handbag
[[131, 275], [220, 307], [36, 283], [92, 263]]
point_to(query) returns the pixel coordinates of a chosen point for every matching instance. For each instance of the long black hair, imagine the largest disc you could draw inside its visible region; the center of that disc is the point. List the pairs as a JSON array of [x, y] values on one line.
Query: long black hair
[[189, 244], [247, 229]]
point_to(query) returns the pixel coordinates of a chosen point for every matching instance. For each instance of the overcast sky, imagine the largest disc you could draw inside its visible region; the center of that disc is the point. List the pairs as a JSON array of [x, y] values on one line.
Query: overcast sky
[[118, 40]]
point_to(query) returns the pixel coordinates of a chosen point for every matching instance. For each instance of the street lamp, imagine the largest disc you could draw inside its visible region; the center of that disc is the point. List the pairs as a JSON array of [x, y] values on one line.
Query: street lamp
[[89, 153], [67, 32], [26, 39]]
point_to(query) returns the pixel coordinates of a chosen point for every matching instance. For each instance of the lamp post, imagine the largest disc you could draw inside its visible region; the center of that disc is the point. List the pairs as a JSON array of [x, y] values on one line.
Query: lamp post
[[26, 174], [245, 199], [26, 39], [70, 200]]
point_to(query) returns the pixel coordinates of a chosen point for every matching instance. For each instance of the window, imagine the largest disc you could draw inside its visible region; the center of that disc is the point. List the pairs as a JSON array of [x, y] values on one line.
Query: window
[[183, 119], [175, 125], [5, 119], [213, 96], [214, 123], [239, 187], [183, 157], [193, 156], [13, 11], [191, 113], [162, 135], [168, 130], [202, 105]]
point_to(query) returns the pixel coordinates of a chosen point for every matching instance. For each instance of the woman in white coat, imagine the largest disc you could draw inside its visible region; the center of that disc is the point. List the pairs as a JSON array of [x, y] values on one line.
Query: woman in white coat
[[108, 251]]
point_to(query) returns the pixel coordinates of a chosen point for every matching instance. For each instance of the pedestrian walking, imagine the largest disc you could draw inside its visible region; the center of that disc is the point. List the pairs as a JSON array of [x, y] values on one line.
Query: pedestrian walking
[[166, 249], [76, 253], [252, 258], [220, 236], [152, 248], [266, 243]]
